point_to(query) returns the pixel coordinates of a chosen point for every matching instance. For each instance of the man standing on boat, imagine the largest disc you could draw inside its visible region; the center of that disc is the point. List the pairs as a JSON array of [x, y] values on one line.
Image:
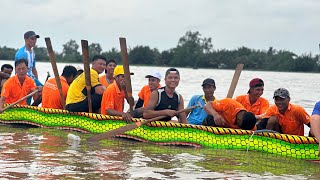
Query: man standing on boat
[[197, 115], [285, 117], [77, 100], [27, 52], [50, 93], [107, 78], [166, 101], [229, 113], [144, 94], [18, 86], [253, 101], [315, 123]]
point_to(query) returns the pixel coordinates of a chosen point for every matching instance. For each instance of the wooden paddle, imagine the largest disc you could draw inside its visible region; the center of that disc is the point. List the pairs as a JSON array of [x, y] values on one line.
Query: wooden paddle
[[86, 68], [23, 98], [235, 80], [55, 71], [127, 77], [132, 126]]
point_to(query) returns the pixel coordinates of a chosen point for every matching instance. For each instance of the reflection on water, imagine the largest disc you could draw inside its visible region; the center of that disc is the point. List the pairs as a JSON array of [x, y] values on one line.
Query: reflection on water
[[46, 154]]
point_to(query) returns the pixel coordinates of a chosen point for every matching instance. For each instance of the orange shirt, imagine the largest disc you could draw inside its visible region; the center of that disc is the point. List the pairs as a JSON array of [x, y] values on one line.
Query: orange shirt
[[51, 95], [258, 108], [103, 80], [112, 98], [228, 109], [145, 93], [293, 119], [12, 89]]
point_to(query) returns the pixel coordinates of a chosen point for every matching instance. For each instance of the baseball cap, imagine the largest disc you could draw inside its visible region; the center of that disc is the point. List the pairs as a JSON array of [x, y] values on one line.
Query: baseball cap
[[281, 92], [30, 34], [118, 70], [208, 81], [154, 74], [256, 82], [172, 70]]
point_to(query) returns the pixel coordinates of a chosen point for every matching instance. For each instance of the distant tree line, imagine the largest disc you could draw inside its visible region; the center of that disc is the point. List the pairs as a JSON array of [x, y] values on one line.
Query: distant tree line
[[193, 51]]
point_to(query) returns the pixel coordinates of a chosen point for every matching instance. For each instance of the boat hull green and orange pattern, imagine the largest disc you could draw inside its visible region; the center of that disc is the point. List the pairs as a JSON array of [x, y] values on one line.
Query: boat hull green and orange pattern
[[167, 133]]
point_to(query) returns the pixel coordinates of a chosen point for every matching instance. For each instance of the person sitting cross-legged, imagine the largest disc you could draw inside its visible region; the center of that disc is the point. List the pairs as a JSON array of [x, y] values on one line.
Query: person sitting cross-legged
[[166, 101], [253, 101], [77, 98], [50, 93], [18, 86], [197, 115], [113, 97]]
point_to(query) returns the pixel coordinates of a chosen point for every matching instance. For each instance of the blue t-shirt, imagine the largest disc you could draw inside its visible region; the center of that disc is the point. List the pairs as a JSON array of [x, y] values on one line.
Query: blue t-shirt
[[197, 115], [23, 53], [316, 109]]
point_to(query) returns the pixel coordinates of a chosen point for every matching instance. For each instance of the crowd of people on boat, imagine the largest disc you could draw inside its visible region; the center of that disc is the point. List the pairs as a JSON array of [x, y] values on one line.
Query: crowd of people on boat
[[108, 94]]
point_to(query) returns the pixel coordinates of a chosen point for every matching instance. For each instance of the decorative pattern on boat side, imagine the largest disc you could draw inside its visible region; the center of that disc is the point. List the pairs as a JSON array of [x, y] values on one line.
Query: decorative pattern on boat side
[[166, 133]]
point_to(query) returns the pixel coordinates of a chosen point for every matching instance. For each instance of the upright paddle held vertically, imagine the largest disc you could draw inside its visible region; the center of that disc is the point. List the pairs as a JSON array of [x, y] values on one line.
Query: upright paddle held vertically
[[55, 71], [86, 64], [127, 77]]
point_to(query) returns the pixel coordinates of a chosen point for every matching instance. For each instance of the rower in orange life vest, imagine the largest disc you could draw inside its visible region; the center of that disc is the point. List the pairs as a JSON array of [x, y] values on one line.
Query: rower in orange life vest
[[285, 117], [229, 113], [113, 97], [18, 86], [50, 93], [253, 101]]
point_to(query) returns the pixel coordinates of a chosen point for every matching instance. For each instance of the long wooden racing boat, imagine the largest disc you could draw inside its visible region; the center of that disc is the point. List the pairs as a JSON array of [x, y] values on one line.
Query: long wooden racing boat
[[165, 133]]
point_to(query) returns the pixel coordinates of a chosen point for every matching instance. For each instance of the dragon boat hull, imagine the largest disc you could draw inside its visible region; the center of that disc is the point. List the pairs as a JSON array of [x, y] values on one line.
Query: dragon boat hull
[[300, 147]]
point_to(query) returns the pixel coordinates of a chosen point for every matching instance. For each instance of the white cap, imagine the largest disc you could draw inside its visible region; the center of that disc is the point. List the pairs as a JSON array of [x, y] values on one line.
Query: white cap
[[154, 74]]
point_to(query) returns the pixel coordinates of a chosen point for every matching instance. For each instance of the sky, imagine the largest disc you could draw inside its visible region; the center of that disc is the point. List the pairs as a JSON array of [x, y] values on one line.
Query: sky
[[258, 24]]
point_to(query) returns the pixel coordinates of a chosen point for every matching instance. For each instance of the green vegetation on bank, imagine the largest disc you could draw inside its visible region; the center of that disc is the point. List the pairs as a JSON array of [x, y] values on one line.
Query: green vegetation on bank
[[193, 51]]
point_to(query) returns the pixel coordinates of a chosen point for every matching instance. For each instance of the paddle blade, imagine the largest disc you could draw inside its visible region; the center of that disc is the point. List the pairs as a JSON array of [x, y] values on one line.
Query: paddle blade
[[114, 132]]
